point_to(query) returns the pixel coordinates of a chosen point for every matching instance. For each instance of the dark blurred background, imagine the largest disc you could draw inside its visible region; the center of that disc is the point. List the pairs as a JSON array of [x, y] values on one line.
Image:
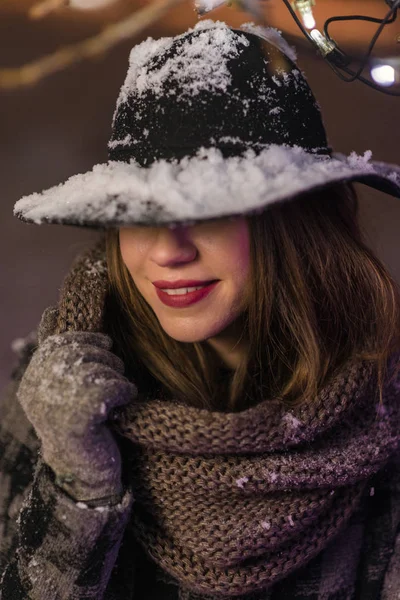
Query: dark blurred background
[[60, 126]]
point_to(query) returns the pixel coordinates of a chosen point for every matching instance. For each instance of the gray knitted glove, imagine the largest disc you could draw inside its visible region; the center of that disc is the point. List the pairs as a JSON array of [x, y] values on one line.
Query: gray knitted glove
[[69, 387]]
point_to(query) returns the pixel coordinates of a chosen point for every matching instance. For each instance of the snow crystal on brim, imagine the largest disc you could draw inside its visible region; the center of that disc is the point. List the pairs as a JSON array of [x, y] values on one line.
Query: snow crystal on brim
[[196, 188], [361, 161], [395, 177]]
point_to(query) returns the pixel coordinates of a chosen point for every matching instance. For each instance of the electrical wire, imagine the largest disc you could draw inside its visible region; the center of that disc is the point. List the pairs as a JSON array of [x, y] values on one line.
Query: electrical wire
[[353, 18], [338, 59], [382, 22]]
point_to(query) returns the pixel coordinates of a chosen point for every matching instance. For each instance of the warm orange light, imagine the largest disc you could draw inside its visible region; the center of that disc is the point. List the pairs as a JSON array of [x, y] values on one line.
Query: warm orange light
[[89, 4]]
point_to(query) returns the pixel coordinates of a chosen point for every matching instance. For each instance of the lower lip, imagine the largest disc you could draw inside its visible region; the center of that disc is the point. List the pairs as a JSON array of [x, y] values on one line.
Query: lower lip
[[185, 299]]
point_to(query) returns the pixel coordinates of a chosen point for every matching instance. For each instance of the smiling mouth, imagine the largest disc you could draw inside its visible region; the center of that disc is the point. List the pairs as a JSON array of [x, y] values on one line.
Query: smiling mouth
[[182, 291], [183, 297]]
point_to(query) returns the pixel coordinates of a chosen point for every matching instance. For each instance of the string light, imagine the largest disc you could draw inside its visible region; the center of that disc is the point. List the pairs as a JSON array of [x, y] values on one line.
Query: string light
[[345, 66], [383, 74], [304, 7], [339, 60], [325, 46], [385, 71]]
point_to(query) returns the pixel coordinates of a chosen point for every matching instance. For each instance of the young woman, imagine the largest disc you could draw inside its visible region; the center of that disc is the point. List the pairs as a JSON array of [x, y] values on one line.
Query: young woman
[[212, 408]]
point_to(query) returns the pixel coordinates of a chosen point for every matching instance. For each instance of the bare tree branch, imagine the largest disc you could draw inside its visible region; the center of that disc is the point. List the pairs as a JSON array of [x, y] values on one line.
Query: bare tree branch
[[32, 72], [41, 9]]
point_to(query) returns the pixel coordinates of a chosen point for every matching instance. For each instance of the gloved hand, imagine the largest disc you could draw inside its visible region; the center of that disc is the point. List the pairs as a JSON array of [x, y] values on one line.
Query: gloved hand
[[69, 387]]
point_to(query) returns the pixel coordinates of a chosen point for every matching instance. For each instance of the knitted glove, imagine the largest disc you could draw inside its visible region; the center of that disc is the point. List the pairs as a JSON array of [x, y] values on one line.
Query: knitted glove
[[69, 387]]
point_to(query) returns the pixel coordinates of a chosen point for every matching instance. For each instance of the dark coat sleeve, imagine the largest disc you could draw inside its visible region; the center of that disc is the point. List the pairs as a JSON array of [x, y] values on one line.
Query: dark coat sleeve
[[51, 547]]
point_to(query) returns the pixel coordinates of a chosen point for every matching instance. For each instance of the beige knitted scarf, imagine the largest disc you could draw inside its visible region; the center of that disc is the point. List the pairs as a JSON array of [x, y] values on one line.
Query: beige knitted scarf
[[228, 503]]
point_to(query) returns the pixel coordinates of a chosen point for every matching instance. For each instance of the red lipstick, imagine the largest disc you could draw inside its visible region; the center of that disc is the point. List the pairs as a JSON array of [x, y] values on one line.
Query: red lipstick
[[183, 300], [181, 283]]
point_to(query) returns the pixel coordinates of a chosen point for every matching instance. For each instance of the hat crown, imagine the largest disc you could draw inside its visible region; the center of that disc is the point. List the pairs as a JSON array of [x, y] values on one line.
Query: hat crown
[[214, 86], [211, 123]]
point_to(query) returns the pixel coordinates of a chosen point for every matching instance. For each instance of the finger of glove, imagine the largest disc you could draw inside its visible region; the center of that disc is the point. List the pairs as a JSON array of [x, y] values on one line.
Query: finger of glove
[[63, 383], [72, 359], [75, 400], [82, 418], [62, 361], [74, 339], [48, 379], [114, 393]]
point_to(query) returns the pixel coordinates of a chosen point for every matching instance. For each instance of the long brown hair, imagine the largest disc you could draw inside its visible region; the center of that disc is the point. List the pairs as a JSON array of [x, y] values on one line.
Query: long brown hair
[[319, 298]]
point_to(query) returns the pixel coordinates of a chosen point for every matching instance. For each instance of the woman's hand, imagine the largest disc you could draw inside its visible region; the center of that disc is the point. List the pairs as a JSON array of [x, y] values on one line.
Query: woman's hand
[[69, 388]]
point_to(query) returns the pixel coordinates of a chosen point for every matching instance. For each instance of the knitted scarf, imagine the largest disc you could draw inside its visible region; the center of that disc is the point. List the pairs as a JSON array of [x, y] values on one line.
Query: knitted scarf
[[232, 503]]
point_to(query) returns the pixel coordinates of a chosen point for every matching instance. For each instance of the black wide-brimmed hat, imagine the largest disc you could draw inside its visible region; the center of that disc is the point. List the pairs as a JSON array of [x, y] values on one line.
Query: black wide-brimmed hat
[[214, 122]]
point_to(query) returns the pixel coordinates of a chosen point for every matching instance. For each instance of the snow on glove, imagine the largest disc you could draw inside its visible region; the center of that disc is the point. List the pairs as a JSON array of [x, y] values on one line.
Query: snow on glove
[[69, 388]]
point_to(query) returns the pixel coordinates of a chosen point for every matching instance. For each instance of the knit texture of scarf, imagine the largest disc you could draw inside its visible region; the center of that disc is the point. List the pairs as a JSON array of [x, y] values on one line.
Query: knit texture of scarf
[[231, 503]]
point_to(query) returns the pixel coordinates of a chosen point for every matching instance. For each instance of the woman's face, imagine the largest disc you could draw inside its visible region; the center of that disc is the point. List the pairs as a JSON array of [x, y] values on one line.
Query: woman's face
[[211, 250]]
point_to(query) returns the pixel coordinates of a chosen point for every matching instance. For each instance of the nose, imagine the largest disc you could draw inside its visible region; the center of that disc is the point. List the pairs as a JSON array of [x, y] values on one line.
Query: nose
[[173, 246]]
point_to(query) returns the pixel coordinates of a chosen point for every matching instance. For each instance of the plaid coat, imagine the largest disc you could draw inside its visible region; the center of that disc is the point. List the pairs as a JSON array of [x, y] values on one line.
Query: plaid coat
[[53, 548]]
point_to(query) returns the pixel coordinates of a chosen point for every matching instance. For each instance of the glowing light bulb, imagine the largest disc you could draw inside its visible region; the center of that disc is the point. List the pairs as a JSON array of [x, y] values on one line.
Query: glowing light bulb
[[385, 75], [325, 46], [89, 4], [308, 20], [304, 7]]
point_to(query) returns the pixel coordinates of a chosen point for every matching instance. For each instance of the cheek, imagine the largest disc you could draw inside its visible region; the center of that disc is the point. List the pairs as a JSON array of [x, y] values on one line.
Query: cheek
[[127, 254], [243, 268], [240, 252], [132, 252]]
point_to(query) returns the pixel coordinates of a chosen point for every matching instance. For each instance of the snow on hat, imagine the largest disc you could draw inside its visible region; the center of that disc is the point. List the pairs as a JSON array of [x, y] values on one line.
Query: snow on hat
[[211, 123]]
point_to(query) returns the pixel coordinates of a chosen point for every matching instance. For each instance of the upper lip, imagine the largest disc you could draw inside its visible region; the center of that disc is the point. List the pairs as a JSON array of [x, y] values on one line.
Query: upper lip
[[180, 283]]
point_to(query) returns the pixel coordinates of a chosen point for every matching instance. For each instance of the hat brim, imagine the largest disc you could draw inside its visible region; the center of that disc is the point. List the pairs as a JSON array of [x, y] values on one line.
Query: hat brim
[[203, 187]]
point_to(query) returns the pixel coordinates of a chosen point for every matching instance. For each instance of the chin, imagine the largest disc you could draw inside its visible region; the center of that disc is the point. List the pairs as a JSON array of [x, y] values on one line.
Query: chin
[[188, 338], [189, 335]]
